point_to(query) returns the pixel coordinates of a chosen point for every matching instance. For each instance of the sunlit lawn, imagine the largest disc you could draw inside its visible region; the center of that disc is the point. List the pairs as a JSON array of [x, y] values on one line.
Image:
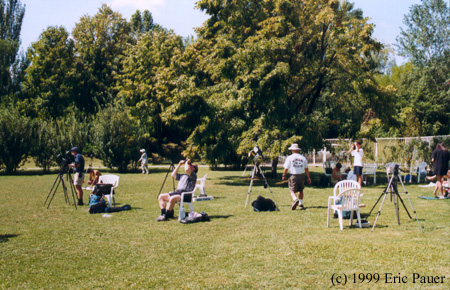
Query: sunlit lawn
[[65, 248]]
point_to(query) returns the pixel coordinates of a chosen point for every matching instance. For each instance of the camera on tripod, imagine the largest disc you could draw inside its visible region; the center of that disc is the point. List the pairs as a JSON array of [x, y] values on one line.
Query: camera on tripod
[[64, 160]]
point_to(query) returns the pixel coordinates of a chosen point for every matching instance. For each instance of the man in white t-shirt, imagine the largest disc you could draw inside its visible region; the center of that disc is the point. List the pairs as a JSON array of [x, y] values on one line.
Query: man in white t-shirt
[[144, 161], [297, 165], [357, 152]]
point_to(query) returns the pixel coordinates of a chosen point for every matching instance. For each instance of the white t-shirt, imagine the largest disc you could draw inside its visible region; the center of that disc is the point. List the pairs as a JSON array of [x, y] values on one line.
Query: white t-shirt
[[358, 157], [296, 163], [351, 176]]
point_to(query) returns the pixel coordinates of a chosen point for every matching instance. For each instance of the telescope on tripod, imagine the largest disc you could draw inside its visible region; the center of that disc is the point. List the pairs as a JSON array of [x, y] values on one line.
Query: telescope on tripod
[[257, 158], [392, 190], [63, 169]]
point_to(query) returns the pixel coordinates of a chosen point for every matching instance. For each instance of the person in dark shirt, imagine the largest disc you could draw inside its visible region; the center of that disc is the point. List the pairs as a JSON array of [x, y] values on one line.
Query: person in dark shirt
[[78, 169], [440, 157], [186, 183]]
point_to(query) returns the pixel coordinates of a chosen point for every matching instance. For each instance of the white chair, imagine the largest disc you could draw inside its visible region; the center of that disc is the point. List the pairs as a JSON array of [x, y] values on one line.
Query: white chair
[[201, 185], [328, 167], [421, 168], [370, 169], [110, 179], [351, 201], [186, 198], [340, 187]]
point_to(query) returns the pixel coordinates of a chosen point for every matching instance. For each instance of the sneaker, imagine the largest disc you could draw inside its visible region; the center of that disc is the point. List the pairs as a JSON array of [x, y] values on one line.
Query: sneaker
[[301, 207], [294, 205], [161, 218], [80, 202]]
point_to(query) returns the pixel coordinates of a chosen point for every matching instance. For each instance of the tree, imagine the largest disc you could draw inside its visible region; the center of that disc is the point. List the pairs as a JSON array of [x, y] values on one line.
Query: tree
[[49, 83], [425, 89], [152, 85], [100, 44], [15, 138], [282, 70], [11, 17], [115, 136], [141, 22]]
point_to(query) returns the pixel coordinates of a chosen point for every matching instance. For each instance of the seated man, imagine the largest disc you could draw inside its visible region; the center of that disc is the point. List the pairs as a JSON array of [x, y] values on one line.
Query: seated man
[[186, 183], [350, 174]]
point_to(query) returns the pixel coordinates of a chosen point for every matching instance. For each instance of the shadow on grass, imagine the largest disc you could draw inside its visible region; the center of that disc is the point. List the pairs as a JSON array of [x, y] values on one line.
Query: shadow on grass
[[5, 238], [220, 216]]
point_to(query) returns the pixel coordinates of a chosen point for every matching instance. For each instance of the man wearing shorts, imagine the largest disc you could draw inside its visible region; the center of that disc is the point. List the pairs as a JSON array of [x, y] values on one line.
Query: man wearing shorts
[[186, 183], [297, 165], [357, 152], [78, 169]]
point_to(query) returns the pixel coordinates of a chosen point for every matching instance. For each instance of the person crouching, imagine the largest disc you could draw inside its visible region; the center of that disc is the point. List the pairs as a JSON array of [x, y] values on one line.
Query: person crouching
[[186, 183]]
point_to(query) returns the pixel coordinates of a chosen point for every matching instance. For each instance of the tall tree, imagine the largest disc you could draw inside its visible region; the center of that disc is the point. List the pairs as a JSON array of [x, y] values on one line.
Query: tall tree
[[151, 85], [100, 43], [425, 89], [11, 17], [278, 71], [49, 82]]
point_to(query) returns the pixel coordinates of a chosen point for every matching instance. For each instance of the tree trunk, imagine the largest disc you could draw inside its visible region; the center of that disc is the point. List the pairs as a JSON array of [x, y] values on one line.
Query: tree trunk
[[274, 167]]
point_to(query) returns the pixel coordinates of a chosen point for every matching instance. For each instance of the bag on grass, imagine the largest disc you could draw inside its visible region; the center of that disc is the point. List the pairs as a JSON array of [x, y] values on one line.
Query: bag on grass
[[263, 204]]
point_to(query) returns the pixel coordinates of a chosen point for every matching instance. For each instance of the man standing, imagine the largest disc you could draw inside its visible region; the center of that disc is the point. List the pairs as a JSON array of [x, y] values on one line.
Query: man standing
[[357, 152], [78, 168], [186, 183], [297, 165], [144, 161]]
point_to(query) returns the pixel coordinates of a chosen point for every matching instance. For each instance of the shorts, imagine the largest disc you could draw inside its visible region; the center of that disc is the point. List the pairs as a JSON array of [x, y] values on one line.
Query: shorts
[[297, 182], [357, 170], [78, 179], [176, 192]]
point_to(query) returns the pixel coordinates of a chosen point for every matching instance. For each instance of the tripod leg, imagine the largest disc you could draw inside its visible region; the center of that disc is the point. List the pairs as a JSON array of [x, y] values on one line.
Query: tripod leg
[[411, 206], [71, 188], [51, 190], [164, 182], [265, 180], [250, 187], [379, 211], [381, 195], [54, 192], [394, 197]]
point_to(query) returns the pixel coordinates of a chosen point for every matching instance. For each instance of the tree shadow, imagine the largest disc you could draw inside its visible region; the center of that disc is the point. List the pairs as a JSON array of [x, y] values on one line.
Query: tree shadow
[[5, 238]]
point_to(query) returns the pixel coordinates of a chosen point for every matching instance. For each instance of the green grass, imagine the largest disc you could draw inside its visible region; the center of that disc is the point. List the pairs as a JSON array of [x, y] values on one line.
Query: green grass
[[65, 248]]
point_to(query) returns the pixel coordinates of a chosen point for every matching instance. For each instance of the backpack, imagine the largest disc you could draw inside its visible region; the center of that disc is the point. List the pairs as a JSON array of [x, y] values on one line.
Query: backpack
[[96, 202], [264, 204]]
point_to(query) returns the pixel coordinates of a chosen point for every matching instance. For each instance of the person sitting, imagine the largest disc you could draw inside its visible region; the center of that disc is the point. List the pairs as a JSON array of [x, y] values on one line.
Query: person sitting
[[186, 183], [94, 176], [336, 174], [350, 174], [445, 183]]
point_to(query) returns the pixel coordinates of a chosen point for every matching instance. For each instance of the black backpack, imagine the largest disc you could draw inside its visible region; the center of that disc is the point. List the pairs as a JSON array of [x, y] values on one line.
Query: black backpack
[[264, 204]]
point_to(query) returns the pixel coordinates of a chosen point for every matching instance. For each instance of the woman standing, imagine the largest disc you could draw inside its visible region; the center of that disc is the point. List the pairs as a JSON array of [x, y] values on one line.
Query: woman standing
[[440, 158]]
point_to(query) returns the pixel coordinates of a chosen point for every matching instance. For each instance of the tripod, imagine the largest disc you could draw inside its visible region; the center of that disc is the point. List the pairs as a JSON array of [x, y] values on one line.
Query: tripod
[[266, 184], [60, 180], [393, 191], [171, 168]]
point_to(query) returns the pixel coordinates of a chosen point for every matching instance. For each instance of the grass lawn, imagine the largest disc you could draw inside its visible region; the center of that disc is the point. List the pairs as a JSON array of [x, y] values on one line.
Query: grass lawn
[[65, 248]]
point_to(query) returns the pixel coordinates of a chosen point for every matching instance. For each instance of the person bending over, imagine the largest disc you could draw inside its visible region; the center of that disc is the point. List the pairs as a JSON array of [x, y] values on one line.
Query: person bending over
[[186, 183], [94, 176], [336, 175]]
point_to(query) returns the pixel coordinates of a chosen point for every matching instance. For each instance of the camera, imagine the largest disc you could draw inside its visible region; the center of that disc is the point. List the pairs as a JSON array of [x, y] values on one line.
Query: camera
[[64, 160]]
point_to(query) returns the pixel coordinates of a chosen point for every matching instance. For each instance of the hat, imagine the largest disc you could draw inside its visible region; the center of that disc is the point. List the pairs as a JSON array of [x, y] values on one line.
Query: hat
[[294, 147], [75, 149], [142, 150]]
